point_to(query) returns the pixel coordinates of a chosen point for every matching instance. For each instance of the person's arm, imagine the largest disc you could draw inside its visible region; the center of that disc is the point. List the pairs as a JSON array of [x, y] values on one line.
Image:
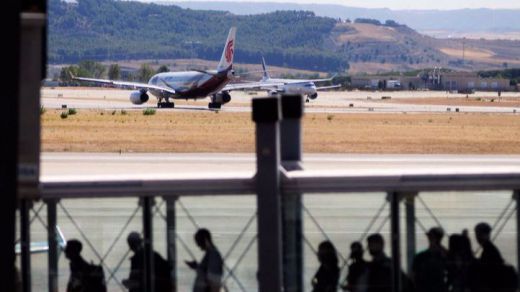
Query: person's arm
[[192, 264]]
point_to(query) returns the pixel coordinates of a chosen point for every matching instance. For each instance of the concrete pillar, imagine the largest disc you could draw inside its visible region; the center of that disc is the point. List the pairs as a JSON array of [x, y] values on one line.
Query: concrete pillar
[[171, 236], [266, 115], [410, 230], [52, 239], [292, 214], [148, 244], [395, 239], [25, 243]]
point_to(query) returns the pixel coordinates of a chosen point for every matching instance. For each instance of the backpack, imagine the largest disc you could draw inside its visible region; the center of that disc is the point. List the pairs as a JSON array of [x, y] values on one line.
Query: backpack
[[509, 278], [94, 279]]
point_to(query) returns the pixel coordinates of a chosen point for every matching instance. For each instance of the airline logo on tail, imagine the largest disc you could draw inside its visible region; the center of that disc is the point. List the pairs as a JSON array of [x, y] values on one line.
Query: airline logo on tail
[[226, 61], [229, 51]]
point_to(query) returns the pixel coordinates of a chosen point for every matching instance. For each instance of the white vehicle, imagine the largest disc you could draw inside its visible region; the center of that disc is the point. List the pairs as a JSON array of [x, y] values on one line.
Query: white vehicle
[[305, 87], [195, 84]]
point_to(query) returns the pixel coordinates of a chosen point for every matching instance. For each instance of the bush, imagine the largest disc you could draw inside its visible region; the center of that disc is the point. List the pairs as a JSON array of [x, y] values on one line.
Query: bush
[[123, 112], [149, 112], [72, 111], [42, 110], [64, 115]]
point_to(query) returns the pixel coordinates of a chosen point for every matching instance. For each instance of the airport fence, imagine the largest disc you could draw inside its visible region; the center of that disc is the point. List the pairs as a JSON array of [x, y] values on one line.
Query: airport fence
[[268, 226]]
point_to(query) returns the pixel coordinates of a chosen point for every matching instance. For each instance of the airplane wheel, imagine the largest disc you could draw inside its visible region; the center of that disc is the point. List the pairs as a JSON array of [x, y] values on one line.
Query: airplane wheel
[[214, 105], [165, 105]]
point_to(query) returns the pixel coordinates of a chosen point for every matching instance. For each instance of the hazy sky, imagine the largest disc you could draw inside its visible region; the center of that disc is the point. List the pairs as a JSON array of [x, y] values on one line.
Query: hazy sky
[[404, 4]]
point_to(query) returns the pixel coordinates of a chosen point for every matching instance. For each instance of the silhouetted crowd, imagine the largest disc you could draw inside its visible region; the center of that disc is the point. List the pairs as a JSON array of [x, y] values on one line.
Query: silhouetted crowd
[[436, 269], [85, 277]]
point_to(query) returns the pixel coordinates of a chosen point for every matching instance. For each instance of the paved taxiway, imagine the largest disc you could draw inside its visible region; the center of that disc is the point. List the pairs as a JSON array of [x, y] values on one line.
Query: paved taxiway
[[327, 102]]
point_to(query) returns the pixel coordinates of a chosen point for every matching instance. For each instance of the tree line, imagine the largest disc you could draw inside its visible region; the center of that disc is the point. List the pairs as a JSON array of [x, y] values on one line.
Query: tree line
[[92, 69]]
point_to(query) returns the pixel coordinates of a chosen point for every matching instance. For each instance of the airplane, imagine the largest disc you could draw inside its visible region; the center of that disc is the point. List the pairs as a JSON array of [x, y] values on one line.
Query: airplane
[[304, 87], [194, 84]]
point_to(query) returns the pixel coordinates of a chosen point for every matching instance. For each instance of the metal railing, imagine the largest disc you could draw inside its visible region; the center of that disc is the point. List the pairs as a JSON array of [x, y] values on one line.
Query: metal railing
[[279, 184]]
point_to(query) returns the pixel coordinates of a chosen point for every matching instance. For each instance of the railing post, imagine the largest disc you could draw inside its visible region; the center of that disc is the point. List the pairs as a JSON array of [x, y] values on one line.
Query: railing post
[[516, 196], [171, 236], [52, 239], [395, 238], [291, 152], [410, 230], [266, 115], [25, 243], [148, 244]]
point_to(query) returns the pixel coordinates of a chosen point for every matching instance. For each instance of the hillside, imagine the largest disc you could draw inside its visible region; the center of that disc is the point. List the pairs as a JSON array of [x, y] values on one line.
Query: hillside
[[438, 22], [374, 48], [118, 30], [106, 30]]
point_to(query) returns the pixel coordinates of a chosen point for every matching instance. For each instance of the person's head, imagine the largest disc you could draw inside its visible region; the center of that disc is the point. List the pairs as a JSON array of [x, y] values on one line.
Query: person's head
[[73, 249], [327, 254], [483, 232], [376, 244], [460, 245], [203, 238], [134, 241], [356, 250], [435, 235]]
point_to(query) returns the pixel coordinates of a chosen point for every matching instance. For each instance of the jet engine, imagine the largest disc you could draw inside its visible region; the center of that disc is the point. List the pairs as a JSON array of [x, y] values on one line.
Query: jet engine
[[313, 96], [222, 97], [139, 97]]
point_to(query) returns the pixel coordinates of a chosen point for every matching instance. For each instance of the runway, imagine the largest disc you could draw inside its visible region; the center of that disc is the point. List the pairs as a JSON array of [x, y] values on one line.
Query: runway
[[343, 217], [327, 102]]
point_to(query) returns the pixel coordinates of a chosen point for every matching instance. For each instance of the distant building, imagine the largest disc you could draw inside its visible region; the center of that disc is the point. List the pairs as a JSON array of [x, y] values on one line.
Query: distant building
[[452, 81], [387, 82], [461, 81]]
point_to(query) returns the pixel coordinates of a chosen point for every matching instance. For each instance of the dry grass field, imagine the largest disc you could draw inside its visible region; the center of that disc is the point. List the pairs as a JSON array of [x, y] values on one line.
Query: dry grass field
[[172, 131]]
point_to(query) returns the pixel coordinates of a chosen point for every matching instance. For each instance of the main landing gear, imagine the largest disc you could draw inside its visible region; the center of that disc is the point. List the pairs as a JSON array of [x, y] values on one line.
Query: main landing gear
[[165, 104], [214, 105]]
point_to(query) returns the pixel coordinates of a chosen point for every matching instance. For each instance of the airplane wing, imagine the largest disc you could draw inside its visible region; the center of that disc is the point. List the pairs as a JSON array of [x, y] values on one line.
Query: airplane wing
[[250, 85], [328, 87], [43, 246], [135, 85], [308, 80]]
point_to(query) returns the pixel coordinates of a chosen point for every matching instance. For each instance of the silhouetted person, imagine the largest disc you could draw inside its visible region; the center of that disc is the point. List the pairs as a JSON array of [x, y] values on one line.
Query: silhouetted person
[[327, 277], [460, 261], [135, 281], [78, 267], [380, 268], [486, 273], [379, 271], [357, 267], [429, 268], [210, 269]]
